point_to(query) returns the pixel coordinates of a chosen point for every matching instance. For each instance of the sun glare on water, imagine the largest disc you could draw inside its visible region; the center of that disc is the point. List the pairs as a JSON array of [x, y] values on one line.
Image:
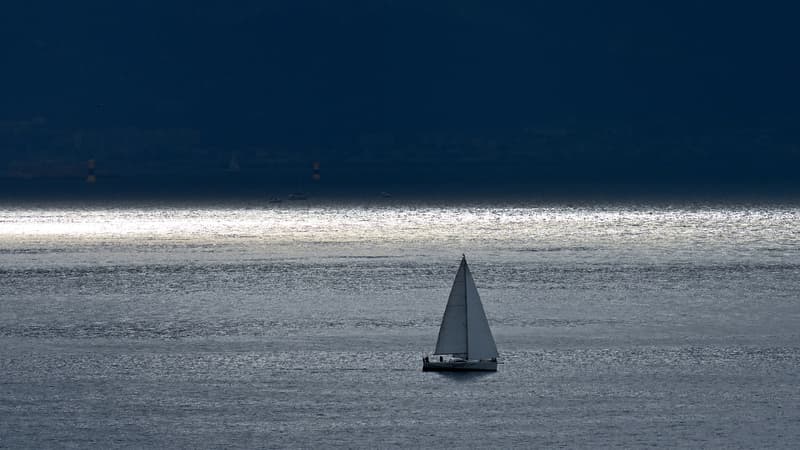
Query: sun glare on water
[[402, 227]]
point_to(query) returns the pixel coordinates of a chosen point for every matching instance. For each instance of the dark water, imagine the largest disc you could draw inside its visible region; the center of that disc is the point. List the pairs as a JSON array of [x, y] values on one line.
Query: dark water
[[304, 326]]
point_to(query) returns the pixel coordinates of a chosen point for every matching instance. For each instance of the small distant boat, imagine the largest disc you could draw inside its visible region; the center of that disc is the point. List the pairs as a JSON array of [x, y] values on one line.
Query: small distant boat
[[298, 196], [275, 200], [465, 341], [385, 194]]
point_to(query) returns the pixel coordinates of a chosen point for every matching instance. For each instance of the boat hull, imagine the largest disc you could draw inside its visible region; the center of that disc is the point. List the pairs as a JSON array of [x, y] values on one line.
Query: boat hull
[[459, 366]]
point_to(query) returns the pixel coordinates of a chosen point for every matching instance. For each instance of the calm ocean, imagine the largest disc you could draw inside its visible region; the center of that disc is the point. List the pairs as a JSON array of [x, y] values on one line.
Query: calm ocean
[[303, 325]]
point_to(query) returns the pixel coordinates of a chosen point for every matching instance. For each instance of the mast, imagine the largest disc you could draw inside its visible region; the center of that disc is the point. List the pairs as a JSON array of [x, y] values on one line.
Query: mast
[[466, 301]]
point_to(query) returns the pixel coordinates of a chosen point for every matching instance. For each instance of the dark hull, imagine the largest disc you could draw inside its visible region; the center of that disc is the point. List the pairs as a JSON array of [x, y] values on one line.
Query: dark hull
[[459, 366]]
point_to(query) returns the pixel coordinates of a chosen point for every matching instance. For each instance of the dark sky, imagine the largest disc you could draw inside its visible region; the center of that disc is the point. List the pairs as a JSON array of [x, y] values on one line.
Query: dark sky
[[325, 72]]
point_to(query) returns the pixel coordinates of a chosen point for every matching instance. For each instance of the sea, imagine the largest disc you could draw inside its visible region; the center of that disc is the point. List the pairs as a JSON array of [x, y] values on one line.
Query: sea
[[303, 324]]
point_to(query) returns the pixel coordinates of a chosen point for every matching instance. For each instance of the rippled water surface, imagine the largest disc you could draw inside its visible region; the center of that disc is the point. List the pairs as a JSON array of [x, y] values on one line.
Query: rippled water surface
[[304, 325]]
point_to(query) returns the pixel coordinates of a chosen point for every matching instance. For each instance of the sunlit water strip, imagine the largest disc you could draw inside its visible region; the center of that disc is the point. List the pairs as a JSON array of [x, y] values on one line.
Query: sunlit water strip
[[400, 223], [664, 233]]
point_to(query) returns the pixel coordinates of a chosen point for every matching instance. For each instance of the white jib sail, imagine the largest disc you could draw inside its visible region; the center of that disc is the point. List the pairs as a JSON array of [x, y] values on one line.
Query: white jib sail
[[480, 343]]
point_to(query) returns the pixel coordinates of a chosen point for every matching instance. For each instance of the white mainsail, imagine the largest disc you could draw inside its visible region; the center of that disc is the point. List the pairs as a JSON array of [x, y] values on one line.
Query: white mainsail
[[453, 331], [465, 331]]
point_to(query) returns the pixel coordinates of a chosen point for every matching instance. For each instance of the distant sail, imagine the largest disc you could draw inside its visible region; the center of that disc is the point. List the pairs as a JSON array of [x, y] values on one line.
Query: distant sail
[[233, 165]]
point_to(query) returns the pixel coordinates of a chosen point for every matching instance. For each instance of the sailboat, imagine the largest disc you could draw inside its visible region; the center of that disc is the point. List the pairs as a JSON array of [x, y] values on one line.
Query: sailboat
[[465, 341]]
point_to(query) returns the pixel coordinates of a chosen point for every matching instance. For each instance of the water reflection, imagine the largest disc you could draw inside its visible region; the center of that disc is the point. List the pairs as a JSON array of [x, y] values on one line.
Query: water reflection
[[464, 377]]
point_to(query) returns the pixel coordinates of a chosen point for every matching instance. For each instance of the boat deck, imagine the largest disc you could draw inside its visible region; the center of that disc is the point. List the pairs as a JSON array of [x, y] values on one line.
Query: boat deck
[[459, 366]]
